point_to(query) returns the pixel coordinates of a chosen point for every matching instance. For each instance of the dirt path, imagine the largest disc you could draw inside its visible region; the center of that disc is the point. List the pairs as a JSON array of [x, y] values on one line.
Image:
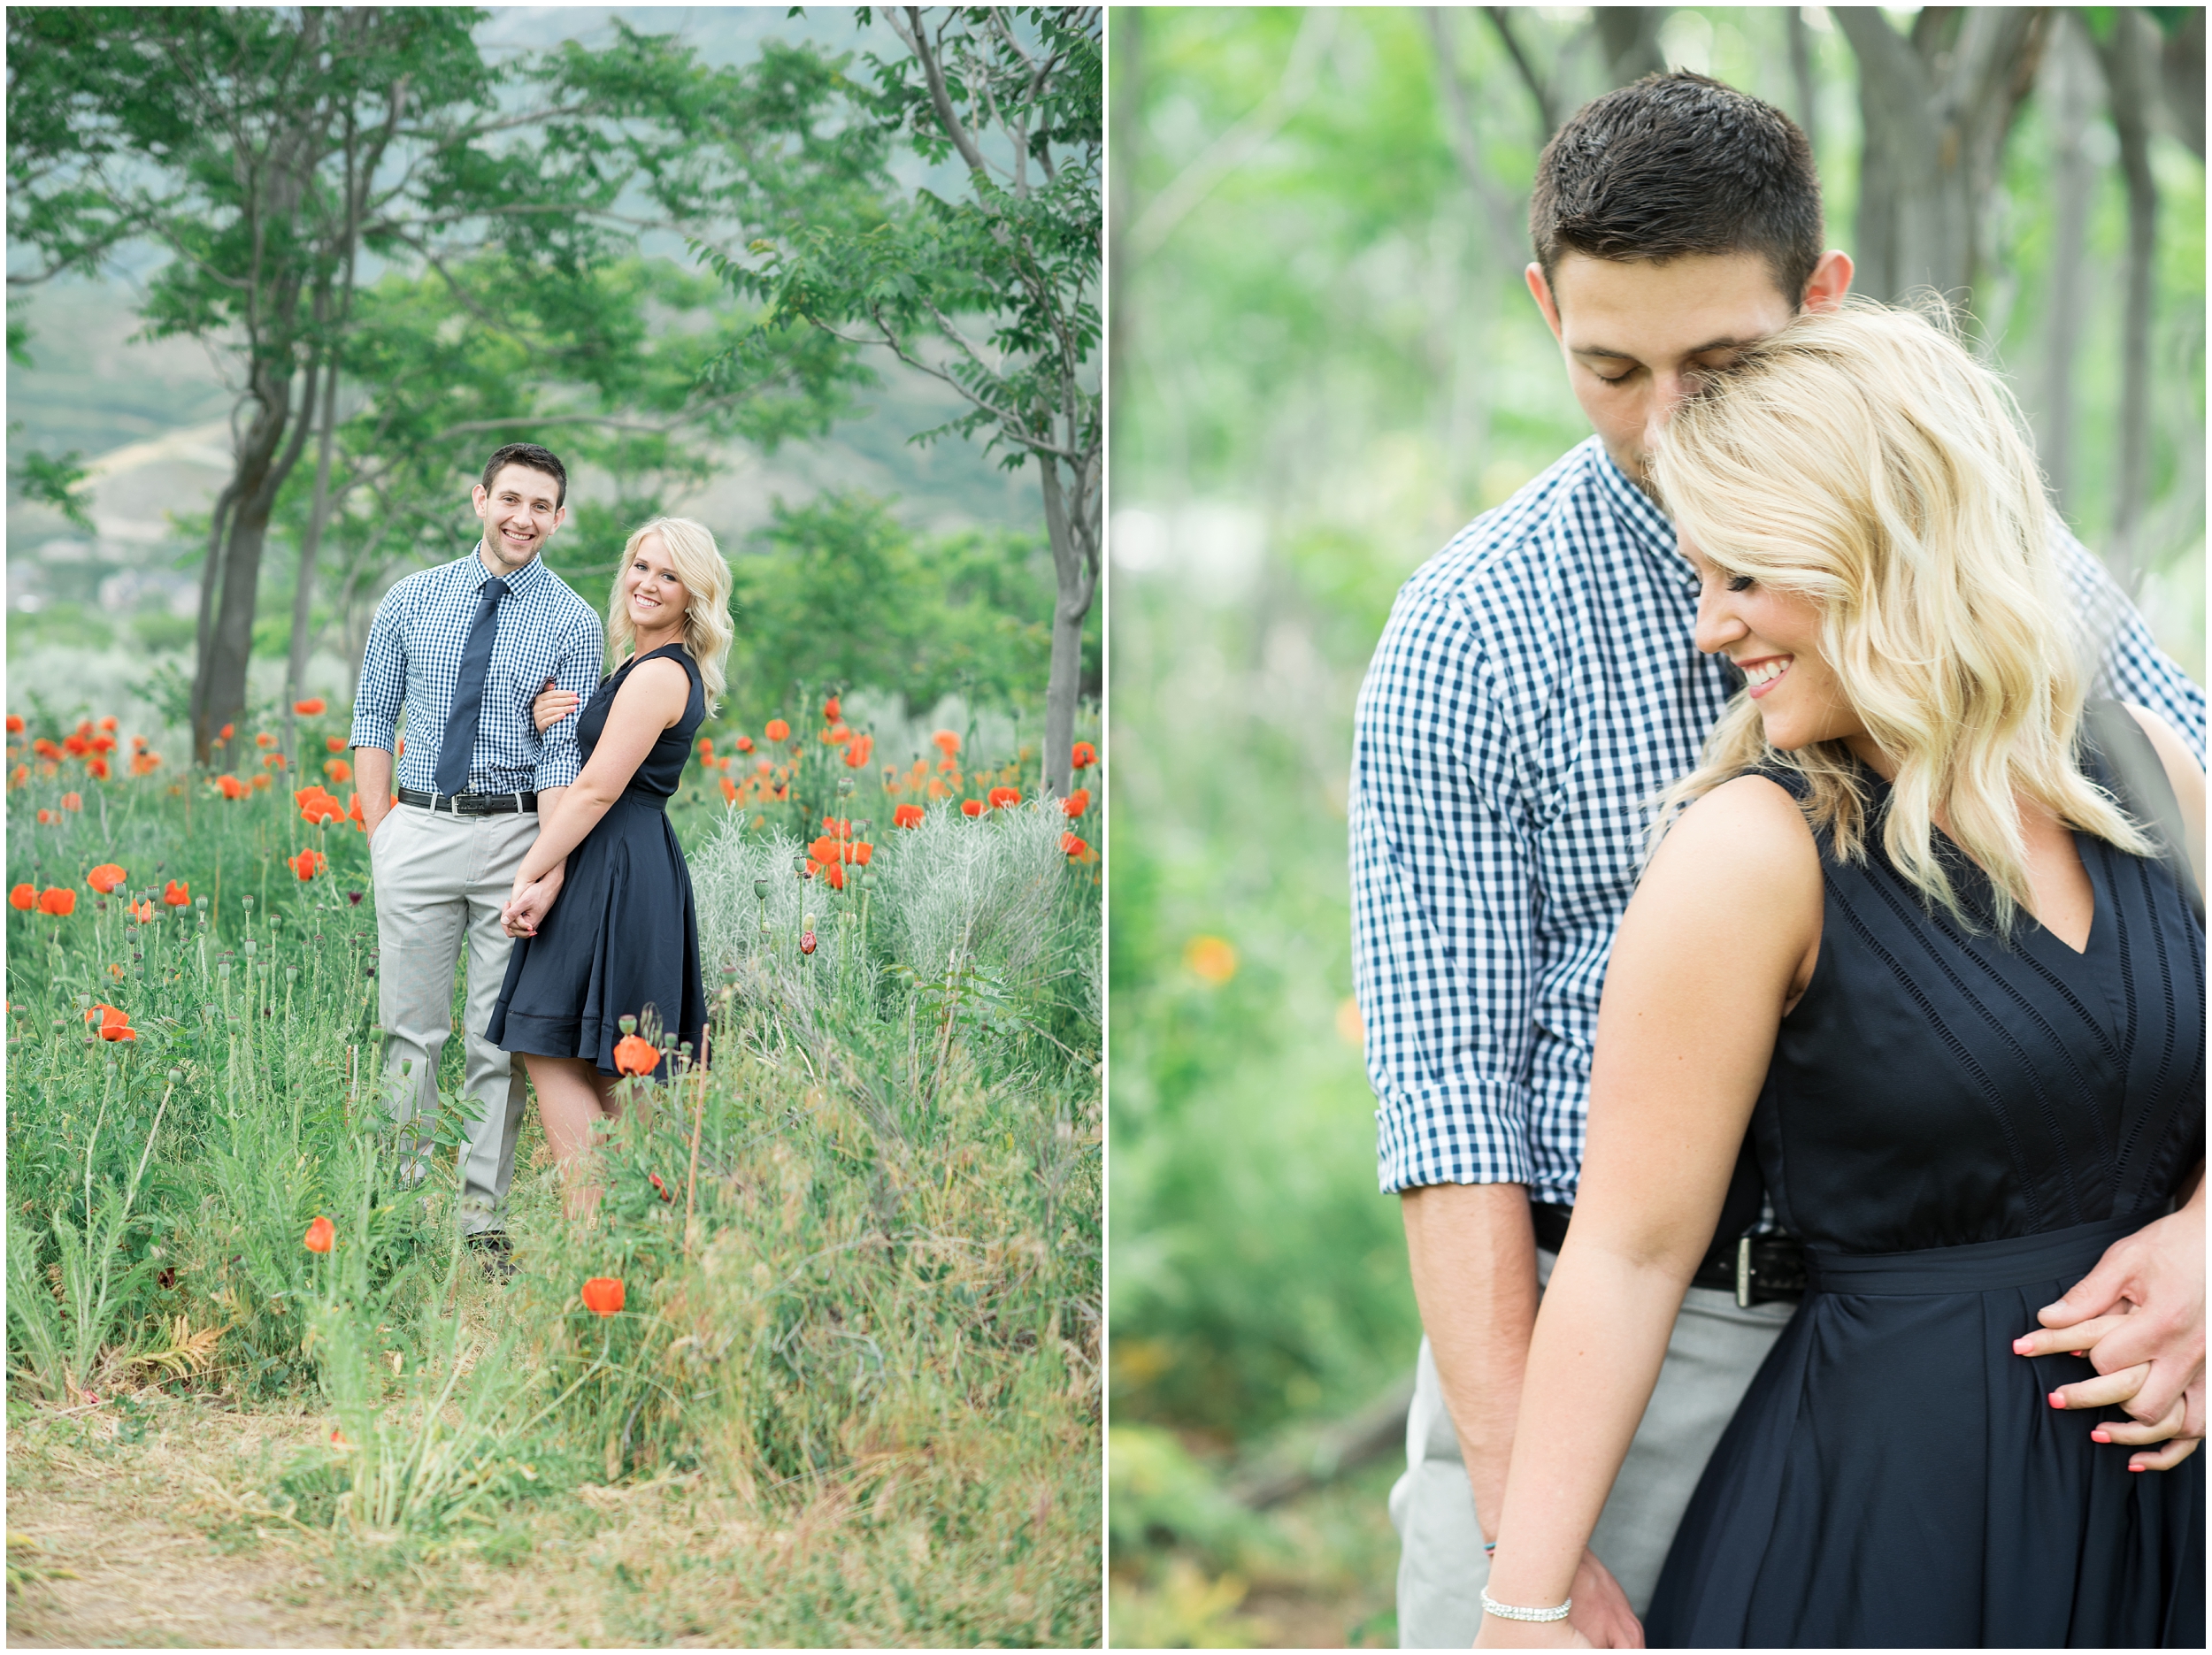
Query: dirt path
[[149, 1530]]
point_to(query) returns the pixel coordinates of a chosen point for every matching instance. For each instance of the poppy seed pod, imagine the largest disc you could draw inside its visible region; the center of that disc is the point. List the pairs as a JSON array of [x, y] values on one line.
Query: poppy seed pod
[[806, 942]]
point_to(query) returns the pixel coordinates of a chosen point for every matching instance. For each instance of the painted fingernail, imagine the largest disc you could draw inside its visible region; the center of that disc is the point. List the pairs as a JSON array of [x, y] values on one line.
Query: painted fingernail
[[2058, 1398], [2132, 1466], [2078, 1353], [2023, 1345], [2101, 1435]]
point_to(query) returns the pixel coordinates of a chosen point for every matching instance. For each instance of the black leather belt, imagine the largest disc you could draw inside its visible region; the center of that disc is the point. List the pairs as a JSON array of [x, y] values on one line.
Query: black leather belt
[[1757, 1270], [469, 804]]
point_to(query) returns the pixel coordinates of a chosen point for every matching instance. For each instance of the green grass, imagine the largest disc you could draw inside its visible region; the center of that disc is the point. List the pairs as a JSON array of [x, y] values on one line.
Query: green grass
[[861, 1302]]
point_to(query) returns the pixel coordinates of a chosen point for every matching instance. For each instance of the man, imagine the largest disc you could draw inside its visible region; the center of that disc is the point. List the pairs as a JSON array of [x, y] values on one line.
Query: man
[[463, 647], [1535, 688]]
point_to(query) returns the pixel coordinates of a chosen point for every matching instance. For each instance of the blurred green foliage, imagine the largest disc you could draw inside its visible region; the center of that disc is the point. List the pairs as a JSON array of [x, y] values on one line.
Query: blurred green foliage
[[1325, 363]]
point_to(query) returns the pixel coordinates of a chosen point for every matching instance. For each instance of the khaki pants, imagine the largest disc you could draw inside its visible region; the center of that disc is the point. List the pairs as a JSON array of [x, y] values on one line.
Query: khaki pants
[[1715, 1349], [440, 880]]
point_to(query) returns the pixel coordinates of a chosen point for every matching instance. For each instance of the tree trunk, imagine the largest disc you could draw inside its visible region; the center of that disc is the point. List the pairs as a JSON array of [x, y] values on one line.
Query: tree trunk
[[2127, 53], [1071, 527], [2070, 90], [1936, 110], [1801, 44], [219, 686], [2181, 66], [311, 544], [1630, 35]]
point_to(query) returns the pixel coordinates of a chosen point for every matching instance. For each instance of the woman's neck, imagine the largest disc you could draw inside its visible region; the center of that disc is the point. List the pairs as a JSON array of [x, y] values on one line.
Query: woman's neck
[[644, 643]]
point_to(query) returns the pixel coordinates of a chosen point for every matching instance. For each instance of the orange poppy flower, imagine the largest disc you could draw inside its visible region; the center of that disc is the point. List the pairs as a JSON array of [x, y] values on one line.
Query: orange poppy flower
[[859, 853], [97, 767], [261, 783], [602, 1294], [311, 708], [1073, 846], [321, 808], [1005, 797], [907, 816], [353, 813], [102, 744], [858, 751], [177, 894], [830, 711], [73, 801], [402, 751], [227, 732], [108, 723], [947, 743], [1085, 756], [143, 911], [322, 1235], [275, 761], [334, 744], [338, 770], [744, 744], [837, 735], [145, 764], [105, 877], [45, 749], [635, 1055], [25, 897], [15, 725], [706, 748], [729, 791], [46, 817], [308, 864], [973, 807], [76, 746], [823, 851], [233, 788], [20, 774], [777, 729]]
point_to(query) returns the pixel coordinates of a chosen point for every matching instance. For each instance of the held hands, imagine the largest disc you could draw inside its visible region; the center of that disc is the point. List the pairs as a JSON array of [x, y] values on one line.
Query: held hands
[[527, 906], [2138, 1317], [552, 705], [1601, 1618]]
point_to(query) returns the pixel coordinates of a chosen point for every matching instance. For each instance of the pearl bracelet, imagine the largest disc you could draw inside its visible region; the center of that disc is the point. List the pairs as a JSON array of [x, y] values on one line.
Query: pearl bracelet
[[1512, 1612]]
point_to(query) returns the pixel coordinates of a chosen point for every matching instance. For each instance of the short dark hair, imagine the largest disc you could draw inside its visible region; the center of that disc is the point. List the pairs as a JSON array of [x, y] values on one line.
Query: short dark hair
[[531, 455], [1678, 164]]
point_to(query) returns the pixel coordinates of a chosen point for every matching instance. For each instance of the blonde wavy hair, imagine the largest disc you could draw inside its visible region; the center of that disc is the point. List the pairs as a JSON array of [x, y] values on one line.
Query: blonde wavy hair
[[706, 577], [1861, 457]]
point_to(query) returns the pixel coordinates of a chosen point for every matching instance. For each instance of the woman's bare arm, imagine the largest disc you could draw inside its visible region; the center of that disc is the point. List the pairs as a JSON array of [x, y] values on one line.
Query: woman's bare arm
[[1719, 940], [650, 700]]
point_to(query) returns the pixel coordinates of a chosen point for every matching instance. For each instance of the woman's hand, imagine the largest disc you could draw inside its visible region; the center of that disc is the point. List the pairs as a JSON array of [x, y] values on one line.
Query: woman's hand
[[2117, 1389], [528, 905], [553, 704]]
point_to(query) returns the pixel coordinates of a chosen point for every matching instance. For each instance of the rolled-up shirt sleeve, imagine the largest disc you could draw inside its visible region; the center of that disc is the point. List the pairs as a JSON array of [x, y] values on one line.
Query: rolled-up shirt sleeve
[[383, 686], [1444, 904], [559, 760], [2130, 666]]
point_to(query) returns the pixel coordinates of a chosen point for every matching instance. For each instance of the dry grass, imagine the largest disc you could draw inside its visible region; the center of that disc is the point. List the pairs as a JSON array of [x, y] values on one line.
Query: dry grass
[[149, 1523]]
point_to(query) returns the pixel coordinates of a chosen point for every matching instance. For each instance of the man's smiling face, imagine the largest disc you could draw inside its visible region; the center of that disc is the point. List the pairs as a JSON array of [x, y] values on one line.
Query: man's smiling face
[[1636, 335], [519, 511]]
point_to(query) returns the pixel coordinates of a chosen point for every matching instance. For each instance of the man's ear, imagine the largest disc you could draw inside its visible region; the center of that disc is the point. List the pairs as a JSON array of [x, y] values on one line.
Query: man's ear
[[1831, 281], [1540, 290], [480, 498]]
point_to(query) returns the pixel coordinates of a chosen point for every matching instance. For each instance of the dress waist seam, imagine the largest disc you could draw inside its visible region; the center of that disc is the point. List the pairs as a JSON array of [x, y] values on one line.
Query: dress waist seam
[[1974, 1268]]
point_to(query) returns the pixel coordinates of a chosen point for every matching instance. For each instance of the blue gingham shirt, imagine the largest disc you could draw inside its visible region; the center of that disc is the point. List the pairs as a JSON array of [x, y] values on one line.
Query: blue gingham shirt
[[414, 656], [1535, 686]]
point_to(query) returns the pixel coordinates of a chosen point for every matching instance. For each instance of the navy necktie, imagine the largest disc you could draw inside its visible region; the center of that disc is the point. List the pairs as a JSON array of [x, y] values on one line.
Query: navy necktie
[[459, 745]]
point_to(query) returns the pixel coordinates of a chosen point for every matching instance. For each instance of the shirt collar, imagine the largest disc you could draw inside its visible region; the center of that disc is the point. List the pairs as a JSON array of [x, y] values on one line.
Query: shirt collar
[[1646, 525], [517, 584]]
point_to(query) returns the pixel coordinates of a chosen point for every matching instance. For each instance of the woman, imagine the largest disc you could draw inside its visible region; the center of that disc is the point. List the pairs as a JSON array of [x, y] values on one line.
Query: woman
[[622, 940], [1904, 932]]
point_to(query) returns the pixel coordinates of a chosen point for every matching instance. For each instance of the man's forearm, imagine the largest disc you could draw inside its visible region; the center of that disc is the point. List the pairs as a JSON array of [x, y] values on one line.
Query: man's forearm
[[1473, 1257], [372, 779]]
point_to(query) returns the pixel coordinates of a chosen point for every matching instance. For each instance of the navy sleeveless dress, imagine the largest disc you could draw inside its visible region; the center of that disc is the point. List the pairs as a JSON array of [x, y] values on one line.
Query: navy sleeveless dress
[[622, 935], [1957, 1126]]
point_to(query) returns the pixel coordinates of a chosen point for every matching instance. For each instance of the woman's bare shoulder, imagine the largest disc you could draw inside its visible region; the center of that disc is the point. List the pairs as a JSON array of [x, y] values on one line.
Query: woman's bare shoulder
[[659, 688], [1746, 841]]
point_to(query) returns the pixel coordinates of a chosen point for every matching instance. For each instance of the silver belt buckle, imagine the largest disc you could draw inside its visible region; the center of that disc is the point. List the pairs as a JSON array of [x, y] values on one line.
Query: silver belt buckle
[[1743, 1274]]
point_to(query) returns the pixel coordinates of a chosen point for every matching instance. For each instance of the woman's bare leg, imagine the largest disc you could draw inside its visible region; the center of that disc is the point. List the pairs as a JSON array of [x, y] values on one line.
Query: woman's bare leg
[[573, 1097]]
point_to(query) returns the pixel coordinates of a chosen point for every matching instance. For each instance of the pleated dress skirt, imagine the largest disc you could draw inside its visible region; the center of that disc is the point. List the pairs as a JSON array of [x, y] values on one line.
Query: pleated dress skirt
[[1896, 1477], [621, 938]]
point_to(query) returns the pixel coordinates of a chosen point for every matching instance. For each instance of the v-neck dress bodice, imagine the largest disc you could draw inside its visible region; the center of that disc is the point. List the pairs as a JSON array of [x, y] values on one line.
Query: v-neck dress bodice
[[1958, 1124]]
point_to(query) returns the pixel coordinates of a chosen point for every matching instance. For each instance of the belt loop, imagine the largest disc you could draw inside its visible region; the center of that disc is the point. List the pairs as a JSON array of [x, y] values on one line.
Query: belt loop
[[1743, 1274]]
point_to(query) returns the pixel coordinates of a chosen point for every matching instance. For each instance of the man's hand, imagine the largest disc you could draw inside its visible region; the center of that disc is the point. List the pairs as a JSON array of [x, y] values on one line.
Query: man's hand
[[1601, 1614], [2139, 1317], [528, 907]]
